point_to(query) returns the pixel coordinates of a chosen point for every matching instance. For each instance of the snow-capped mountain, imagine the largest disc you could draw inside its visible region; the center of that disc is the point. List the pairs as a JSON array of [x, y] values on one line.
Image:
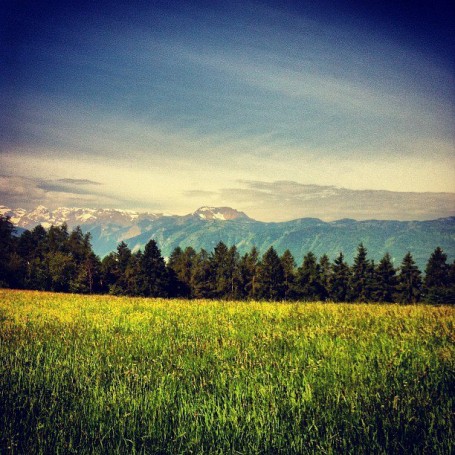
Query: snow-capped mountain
[[205, 227], [219, 213], [74, 216]]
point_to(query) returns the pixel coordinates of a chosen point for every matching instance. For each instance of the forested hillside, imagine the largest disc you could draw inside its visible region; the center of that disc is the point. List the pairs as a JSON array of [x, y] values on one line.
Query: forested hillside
[[207, 226], [58, 260]]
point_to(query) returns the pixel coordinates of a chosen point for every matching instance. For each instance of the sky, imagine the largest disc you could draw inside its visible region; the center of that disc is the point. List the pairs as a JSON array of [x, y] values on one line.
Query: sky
[[281, 109]]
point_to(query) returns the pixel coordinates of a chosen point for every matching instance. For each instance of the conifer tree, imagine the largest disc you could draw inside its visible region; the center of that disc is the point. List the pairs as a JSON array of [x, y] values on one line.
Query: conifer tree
[[248, 274], [409, 281], [87, 264], [386, 281], [234, 274], [221, 269], [114, 270], [180, 266], [325, 272], [339, 280], [201, 276], [153, 271], [270, 276], [309, 279], [134, 279], [361, 279], [436, 282], [289, 265]]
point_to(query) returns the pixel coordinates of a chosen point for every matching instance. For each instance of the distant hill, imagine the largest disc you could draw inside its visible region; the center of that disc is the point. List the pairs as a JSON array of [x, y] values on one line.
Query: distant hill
[[205, 227]]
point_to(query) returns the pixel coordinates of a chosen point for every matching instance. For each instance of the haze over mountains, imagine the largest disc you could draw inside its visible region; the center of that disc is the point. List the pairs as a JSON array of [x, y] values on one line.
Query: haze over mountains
[[205, 227]]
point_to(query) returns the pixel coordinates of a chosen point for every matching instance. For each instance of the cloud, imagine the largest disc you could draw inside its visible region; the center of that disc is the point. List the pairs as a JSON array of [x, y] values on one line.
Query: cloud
[[283, 198], [79, 182], [24, 192], [69, 185]]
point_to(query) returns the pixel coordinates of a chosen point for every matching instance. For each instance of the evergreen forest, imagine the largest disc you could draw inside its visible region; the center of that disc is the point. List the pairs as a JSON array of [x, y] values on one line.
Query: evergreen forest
[[61, 261]]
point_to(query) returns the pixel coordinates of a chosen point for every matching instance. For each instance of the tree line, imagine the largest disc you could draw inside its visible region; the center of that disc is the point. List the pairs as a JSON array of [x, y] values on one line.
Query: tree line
[[62, 261]]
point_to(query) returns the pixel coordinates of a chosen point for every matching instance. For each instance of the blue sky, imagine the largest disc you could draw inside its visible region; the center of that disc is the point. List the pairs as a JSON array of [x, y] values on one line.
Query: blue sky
[[167, 106]]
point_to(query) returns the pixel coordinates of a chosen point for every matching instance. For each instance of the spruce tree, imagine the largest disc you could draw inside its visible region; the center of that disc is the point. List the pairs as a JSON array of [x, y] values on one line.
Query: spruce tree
[[386, 280], [360, 287], [288, 262], [248, 267], [234, 274], [153, 271], [339, 280], [308, 279], [436, 282], [409, 281], [221, 269], [325, 272], [180, 266], [201, 276], [271, 276], [134, 281]]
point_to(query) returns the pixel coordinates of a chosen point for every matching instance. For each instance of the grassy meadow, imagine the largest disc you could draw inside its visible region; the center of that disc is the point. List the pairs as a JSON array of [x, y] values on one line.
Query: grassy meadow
[[100, 374]]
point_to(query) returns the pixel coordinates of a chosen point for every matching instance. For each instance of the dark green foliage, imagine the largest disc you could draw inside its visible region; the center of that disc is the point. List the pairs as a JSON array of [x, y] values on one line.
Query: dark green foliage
[[201, 276], [385, 281], [437, 283], [289, 265], [339, 280], [409, 281], [249, 267], [309, 285], [60, 261], [224, 267], [153, 271], [362, 277], [325, 274], [271, 277]]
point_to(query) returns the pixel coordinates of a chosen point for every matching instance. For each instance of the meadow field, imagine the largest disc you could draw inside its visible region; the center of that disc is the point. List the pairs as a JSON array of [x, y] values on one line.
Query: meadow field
[[101, 374]]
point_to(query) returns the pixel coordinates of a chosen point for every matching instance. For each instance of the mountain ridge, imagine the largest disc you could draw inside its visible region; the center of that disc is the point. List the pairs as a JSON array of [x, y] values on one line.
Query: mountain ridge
[[206, 226]]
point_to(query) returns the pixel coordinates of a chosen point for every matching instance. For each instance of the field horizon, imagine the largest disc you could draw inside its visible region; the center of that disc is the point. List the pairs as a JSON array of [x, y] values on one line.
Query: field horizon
[[104, 374]]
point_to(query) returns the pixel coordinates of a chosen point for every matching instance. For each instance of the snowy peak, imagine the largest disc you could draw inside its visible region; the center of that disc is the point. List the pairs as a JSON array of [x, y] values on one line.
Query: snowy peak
[[74, 216], [219, 213]]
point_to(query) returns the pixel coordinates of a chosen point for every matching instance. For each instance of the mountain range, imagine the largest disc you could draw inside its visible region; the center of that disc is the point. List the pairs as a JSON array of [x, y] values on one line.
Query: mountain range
[[205, 227]]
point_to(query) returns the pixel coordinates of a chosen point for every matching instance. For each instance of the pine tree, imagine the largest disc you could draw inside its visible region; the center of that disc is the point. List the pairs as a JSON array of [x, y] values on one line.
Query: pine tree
[[134, 278], [325, 272], [386, 280], [339, 280], [248, 274], [409, 281], [234, 274], [309, 279], [180, 266], [109, 273], [221, 269], [153, 271], [201, 276], [436, 282], [361, 277], [87, 266], [270, 276], [289, 265]]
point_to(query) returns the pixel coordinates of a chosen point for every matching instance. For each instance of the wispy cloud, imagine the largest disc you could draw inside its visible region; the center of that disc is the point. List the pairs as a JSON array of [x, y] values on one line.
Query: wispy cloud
[[260, 199], [78, 182], [18, 191]]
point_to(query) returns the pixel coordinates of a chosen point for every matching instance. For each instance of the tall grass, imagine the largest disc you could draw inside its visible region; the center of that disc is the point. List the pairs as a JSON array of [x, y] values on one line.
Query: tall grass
[[96, 374]]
